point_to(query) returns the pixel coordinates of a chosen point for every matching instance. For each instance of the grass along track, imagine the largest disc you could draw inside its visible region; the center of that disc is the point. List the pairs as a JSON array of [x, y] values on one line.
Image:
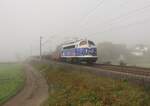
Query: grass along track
[[11, 80], [125, 69], [71, 85], [135, 70], [133, 74]]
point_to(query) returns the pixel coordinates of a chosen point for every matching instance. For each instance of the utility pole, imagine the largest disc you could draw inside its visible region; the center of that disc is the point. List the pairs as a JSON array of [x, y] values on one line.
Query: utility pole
[[40, 47], [31, 50]]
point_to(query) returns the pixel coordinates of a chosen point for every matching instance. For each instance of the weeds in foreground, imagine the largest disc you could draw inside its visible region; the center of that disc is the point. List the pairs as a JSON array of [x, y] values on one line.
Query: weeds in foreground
[[70, 86]]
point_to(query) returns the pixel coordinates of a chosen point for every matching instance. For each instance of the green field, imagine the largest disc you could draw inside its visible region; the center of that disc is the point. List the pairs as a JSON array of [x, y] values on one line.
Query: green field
[[11, 80], [72, 86]]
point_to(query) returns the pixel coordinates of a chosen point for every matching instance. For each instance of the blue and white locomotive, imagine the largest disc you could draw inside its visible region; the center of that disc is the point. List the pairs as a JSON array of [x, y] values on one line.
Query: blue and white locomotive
[[79, 51]]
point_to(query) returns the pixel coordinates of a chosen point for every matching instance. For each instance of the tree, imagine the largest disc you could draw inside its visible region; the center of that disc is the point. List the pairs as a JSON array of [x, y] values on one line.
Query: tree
[[108, 51]]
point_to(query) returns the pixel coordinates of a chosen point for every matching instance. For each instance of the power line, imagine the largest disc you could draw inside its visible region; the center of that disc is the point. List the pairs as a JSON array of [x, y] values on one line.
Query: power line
[[90, 12], [41, 47], [111, 20], [130, 13], [99, 4], [128, 25], [49, 39], [121, 16]]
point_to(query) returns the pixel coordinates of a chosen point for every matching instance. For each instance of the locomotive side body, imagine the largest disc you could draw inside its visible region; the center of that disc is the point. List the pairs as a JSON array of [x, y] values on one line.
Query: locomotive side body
[[79, 51]]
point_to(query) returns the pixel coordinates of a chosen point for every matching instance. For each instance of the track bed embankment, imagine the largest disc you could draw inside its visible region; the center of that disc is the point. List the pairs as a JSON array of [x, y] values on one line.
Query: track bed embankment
[[125, 69], [135, 75]]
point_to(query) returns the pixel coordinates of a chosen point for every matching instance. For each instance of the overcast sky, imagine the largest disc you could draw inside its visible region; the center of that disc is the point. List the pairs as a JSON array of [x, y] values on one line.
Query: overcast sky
[[23, 21]]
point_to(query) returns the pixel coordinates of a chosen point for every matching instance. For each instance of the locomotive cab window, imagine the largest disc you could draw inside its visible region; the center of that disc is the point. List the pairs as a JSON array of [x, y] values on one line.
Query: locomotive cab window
[[83, 43], [69, 47], [91, 43]]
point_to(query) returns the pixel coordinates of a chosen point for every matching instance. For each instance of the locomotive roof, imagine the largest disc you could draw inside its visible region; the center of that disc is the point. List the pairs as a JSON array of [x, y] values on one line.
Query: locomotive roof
[[72, 42]]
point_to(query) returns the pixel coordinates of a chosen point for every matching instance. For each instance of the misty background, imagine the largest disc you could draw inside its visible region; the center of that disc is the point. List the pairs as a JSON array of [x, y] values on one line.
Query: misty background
[[22, 22]]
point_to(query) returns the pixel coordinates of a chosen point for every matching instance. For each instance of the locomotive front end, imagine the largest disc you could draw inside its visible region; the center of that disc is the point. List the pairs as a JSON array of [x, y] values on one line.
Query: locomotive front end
[[87, 51], [79, 51]]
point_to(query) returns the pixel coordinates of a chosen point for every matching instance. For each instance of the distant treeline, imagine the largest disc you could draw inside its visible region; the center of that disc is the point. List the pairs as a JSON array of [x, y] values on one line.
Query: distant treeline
[[116, 53]]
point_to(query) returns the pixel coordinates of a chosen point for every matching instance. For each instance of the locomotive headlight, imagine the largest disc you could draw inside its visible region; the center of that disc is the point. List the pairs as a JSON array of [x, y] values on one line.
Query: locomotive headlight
[[86, 51]]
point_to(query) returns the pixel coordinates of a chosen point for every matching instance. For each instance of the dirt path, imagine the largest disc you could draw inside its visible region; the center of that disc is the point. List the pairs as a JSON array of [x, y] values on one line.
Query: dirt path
[[34, 92]]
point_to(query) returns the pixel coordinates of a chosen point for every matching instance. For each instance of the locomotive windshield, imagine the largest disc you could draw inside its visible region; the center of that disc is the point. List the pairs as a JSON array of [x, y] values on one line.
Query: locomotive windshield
[[83, 43], [69, 47], [91, 43]]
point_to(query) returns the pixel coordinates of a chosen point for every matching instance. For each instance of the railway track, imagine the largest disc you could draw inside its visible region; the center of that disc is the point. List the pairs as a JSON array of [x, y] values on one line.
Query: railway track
[[133, 74], [123, 69], [117, 68]]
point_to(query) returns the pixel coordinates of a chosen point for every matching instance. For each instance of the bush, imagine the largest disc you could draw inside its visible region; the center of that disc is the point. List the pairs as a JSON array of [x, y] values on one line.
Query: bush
[[122, 63]]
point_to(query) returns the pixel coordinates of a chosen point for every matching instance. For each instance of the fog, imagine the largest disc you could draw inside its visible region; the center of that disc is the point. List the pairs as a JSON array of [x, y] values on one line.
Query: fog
[[22, 22]]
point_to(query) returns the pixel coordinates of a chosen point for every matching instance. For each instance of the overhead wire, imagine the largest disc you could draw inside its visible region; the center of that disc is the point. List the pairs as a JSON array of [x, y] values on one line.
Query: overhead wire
[[111, 20], [123, 26], [130, 13], [122, 16], [90, 12], [49, 39]]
